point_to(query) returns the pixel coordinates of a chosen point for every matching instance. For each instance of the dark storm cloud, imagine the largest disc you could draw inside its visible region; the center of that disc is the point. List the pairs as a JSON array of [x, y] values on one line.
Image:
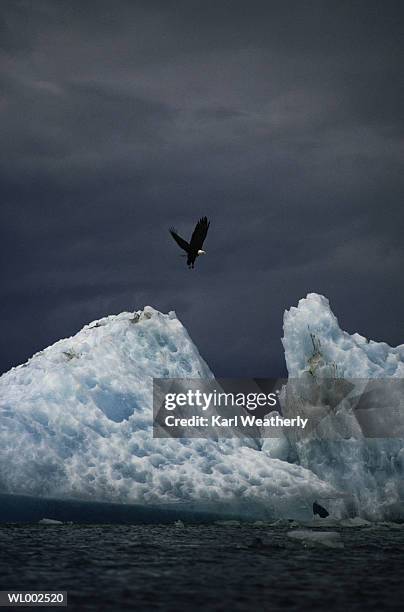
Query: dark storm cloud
[[282, 121]]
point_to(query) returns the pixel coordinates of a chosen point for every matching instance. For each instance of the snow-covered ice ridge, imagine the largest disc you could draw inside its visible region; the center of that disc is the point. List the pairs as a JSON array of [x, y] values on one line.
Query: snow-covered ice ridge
[[76, 422]]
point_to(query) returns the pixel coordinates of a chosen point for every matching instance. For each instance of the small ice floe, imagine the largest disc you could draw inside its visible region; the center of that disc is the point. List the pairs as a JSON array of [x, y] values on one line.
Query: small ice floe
[[179, 524], [49, 521], [285, 523], [356, 521], [320, 523], [328, 539], [388, 525]]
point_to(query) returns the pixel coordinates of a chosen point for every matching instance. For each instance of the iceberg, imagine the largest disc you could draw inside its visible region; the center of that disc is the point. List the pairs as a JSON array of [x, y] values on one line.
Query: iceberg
[[356, 521], [76, 423], [312, 539], [49, 521], [369, 470]]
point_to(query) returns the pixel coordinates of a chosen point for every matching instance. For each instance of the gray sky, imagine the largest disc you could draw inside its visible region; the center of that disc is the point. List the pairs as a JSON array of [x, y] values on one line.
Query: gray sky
[[281, 121]]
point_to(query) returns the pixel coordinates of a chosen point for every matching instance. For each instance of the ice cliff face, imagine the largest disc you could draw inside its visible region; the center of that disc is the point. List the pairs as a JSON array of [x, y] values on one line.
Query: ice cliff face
[[369, 471], [76, 421]]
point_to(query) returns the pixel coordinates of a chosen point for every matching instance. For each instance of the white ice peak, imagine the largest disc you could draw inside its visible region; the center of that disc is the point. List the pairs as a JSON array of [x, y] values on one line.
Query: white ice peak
[[76, 421], [312, 332]]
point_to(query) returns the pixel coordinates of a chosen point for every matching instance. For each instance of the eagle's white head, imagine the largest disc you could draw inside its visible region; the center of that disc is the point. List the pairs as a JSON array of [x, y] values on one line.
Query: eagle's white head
[[200, 252]]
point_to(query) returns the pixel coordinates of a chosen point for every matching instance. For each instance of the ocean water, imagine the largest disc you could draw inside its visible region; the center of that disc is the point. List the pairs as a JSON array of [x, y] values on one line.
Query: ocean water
[[203, 567]]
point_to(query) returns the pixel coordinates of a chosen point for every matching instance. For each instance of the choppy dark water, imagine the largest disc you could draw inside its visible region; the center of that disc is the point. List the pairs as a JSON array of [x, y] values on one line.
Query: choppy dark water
[[115, 567]]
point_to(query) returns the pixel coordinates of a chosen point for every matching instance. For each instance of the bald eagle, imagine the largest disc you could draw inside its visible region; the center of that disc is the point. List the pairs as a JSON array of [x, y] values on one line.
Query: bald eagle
[[194, 247]]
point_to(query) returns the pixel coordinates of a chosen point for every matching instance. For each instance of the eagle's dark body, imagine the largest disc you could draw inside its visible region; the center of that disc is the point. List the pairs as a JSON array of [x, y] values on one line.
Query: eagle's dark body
[[194, 247]]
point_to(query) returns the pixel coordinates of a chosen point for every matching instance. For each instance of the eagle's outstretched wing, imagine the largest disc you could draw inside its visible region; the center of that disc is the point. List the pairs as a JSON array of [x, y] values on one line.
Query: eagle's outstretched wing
[[199, 234], [180, 241]]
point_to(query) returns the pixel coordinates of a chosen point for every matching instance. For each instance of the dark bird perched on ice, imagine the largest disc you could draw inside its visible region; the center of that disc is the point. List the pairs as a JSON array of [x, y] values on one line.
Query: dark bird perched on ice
[[322, 512], [194, 247]]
